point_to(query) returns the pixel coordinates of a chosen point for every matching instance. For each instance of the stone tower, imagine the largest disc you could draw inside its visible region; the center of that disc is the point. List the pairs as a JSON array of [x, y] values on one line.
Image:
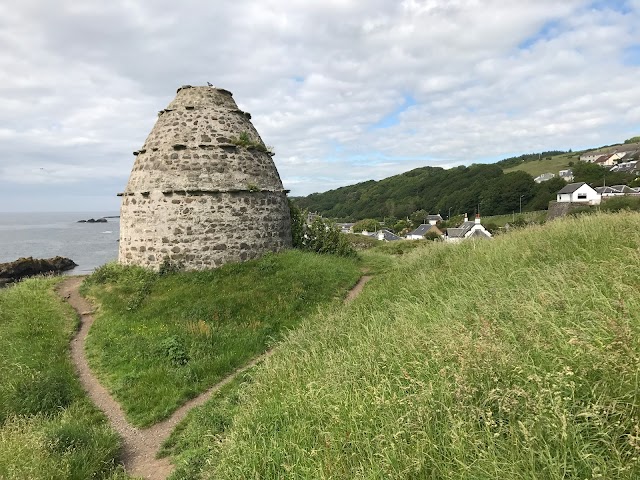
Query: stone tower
[[203, 190]]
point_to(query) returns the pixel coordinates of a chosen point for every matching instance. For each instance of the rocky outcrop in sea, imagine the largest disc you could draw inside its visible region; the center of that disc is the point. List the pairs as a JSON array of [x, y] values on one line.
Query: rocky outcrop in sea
[[29, 266]]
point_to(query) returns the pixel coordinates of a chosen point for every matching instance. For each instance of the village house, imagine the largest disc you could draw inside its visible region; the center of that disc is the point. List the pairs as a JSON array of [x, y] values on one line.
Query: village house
[[612, 155], [345, 227], [578, 193], [544, 177], [626, 167], [590, 157], [434, 219], [616, 191], [566, 175], [383, 235], [421, 232], [467, 230]]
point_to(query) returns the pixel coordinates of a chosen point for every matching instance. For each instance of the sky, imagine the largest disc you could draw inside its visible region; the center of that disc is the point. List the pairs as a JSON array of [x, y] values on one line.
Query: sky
[[344, 90]]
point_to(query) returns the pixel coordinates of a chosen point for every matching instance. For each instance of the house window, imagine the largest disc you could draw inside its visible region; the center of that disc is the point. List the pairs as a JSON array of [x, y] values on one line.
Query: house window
[[582, 196]]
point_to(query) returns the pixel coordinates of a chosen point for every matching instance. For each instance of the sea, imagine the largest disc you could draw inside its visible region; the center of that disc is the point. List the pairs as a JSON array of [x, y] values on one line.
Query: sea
[[46, 235]]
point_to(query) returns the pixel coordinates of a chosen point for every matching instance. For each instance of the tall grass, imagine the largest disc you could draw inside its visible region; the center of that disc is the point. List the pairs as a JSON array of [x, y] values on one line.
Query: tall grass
[[161, 339], [515, 358], [48, 429]]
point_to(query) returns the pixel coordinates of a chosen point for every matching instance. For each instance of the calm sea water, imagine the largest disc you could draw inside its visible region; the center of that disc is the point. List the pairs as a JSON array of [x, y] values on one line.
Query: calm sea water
[[45, 235]]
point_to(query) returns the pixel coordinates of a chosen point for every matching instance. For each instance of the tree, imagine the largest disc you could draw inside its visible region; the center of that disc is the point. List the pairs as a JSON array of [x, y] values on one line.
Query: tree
[[596, 175], [505, 193], [544, 193], [368, 224], [402, 227], [418, 217]]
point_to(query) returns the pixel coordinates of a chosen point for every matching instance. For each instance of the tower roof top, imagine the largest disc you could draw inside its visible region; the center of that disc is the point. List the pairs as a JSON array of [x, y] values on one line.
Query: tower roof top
[[203, 142]]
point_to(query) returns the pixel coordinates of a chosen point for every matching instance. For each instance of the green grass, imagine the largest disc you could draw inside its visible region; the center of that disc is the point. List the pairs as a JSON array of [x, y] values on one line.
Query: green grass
[[515, 358], [48, 429], [196, 439], [550, 164], [160, 340], [538, 216]]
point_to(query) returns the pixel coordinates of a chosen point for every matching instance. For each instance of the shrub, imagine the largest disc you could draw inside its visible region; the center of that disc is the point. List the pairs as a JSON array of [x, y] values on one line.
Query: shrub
[[321, 236], [174, 349], [616, 204], [580, 211], [368, 224], [360, 242]]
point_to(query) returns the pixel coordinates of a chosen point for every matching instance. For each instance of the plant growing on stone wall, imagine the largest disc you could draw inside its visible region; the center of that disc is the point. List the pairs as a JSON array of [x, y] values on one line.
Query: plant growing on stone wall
[[167, 267], [245, 140]]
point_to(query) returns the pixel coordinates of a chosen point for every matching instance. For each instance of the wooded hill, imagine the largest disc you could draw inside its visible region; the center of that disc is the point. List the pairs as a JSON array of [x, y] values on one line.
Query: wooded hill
[[462, 189]]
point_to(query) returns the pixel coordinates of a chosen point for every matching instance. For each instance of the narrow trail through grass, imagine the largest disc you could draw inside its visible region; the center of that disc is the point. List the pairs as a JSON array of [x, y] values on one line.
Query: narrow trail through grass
[[140, 446]]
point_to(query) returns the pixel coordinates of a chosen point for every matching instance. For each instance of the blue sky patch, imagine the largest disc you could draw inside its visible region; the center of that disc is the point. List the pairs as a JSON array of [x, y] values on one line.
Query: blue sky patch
[[620, 6], [393, 118], [548, 31]]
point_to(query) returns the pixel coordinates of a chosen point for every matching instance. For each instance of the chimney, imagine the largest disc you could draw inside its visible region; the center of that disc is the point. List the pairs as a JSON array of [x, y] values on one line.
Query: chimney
[[477, 219], [466, 217]]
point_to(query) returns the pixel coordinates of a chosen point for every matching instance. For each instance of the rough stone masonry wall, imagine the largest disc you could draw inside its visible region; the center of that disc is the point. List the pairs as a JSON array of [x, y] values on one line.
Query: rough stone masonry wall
[[197, 194]]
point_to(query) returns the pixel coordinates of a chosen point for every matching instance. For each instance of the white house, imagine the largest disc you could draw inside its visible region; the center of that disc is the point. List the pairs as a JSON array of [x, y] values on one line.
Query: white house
[[467, 230], [382, 235], [420, 232], [345, 227], [566, 175], [544, 177], [590, 157], [578, 193], [607, 160], [629, 167], [433, 219]]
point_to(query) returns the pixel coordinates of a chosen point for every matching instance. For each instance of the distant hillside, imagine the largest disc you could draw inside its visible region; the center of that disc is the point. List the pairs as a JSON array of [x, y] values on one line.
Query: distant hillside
[[546, 163], [433, 189], [497, 189], [553, 161]]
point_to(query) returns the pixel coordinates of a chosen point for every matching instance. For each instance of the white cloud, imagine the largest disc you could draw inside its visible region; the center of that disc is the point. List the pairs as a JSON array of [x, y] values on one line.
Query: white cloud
[[80, 82]]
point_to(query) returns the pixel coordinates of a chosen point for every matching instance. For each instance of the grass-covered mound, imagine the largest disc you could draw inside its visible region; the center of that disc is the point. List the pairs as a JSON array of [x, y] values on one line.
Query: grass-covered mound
[[48, 429], [161, 339], [512, 358]]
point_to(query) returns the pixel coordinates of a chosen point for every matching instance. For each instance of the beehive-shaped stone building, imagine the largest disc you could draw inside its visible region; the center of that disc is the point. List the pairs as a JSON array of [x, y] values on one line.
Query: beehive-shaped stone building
[[204, 190]]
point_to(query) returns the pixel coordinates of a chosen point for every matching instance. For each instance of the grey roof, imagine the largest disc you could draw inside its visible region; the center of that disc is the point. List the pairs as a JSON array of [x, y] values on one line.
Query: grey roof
[[422, 229], [625, 166], [436, 217], [455, 232], [461, 231], [602, 190], [389, 236], [545, 176], [572, 187], [623, 189], [479, 234]]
